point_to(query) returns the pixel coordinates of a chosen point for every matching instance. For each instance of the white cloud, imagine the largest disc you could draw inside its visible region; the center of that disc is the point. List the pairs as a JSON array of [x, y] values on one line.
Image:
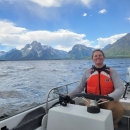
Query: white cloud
[[13, 36], [18, 37], [102, 11], [59, 47], [102, 42], [84, 14], [9, 28], [48, 9], [88, 3], [54, 3], [58, 3], [128, 19], [48, 3]]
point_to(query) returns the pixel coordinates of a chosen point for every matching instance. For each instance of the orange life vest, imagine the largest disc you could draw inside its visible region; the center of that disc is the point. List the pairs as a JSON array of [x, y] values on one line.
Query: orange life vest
[[100, 83]]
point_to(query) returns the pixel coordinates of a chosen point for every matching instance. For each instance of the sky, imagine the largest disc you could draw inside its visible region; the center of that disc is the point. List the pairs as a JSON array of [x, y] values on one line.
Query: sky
[[63, 23]]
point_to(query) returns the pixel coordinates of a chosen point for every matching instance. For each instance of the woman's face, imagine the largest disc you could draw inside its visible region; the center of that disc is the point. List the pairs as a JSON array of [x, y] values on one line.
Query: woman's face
[[98, 58]]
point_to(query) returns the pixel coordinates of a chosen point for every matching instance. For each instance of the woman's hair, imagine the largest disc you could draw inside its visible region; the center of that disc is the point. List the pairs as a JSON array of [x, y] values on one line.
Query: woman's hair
[[98, 50]]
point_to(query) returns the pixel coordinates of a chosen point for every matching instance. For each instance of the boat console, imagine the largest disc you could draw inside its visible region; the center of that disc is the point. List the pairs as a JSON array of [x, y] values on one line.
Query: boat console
[[76, 117]]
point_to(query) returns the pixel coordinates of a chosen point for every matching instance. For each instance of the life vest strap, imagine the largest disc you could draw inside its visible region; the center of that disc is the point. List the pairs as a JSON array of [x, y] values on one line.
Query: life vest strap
[[106, 69]]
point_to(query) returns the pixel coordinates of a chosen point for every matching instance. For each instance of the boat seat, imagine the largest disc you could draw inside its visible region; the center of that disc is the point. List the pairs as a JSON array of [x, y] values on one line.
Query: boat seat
[[32, 120], [127, 112]]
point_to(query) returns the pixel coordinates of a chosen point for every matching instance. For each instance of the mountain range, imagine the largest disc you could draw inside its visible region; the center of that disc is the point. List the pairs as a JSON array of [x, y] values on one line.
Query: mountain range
[[2, 53], [37, 51], [121, 48], [34, 51]]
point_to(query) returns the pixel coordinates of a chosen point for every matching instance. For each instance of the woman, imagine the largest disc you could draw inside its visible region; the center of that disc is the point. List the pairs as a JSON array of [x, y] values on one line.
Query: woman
[[103, 80]]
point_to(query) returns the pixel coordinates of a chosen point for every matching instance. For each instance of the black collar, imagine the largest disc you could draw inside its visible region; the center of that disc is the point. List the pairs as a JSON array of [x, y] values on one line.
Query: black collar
[[100, 69]]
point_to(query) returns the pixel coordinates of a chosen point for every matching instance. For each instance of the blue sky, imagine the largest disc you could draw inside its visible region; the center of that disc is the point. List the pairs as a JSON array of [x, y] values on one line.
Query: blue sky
[[63, 23]]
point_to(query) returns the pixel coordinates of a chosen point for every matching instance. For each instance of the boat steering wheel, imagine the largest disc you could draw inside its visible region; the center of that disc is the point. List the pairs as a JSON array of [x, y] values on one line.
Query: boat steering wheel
[[94, 96], [64, 99], [93, 107]]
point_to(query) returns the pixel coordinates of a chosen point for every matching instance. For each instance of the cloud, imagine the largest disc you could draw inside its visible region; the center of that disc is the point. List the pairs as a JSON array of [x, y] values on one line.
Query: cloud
[[102, 11], [59, 47], [9, 28], [84, 14], [18, 37], [87, 3], [128, 19], [91, 3], [47, 10], [58, 3], [48, 3], [102, 42], [53, 3]]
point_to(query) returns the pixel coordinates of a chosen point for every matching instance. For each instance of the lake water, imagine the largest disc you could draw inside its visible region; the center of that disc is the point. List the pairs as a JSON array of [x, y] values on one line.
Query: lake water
[[26, 83]]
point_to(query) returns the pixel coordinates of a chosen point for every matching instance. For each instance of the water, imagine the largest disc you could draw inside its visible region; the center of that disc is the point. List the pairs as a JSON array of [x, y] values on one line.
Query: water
[[26, 83]]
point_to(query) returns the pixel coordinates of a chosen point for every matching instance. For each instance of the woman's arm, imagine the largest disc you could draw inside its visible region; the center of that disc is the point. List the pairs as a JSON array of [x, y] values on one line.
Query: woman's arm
[[81, 85], [118, 85]]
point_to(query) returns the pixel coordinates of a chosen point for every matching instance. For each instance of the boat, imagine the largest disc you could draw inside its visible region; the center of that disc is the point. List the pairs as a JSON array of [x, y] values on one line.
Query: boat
[[59, 113]]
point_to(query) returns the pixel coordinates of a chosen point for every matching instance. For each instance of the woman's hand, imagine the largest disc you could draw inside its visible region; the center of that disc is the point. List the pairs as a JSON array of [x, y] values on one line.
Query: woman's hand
[[103, 100]]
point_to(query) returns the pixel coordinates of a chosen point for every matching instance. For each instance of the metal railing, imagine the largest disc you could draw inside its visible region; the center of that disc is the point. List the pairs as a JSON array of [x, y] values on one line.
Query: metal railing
[[127, 85], [55, 88]]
